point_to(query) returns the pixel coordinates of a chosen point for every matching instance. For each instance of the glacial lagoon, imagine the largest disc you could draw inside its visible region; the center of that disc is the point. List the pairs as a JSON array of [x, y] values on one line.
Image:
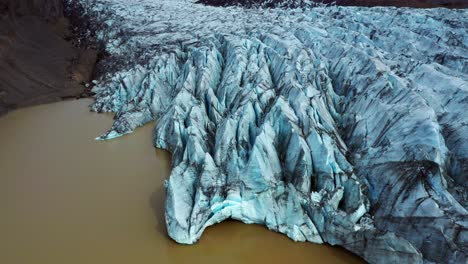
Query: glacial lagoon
[[70, 199]]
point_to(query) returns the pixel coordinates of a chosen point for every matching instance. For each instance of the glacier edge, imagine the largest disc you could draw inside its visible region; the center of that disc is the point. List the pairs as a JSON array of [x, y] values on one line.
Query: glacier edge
[[319, 128]]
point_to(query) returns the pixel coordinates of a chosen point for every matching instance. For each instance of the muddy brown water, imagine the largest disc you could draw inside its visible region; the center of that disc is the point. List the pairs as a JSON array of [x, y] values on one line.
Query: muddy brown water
[[68, 199]]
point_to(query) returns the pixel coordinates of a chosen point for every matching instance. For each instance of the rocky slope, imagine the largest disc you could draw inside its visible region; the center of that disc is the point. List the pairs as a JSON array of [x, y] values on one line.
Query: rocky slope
[[37, 64], [338, 125], [50, 10]]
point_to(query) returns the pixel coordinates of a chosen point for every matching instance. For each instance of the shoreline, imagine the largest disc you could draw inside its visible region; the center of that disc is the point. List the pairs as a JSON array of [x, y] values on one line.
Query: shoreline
[[71, 199]]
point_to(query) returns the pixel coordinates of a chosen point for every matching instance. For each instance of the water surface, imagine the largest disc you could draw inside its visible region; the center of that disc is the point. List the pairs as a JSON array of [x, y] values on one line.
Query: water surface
[[67, 199]]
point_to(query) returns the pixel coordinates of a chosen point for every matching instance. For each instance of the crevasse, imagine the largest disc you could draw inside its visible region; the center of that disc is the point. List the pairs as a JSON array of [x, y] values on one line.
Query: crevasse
[[331, 125]]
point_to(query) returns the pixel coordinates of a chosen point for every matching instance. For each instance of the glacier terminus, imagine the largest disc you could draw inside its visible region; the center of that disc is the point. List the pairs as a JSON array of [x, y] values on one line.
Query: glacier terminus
[[338, 125]]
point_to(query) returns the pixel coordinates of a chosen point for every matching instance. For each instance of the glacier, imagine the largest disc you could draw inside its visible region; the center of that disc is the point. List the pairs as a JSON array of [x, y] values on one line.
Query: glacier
[[339, 125]]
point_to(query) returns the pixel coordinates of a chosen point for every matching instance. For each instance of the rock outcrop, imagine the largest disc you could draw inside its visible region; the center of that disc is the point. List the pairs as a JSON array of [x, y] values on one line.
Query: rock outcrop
[[331, 125], [37, 64]]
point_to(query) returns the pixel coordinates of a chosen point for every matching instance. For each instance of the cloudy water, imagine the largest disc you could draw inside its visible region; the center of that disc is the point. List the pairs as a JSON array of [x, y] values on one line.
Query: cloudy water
[[68, 199]]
